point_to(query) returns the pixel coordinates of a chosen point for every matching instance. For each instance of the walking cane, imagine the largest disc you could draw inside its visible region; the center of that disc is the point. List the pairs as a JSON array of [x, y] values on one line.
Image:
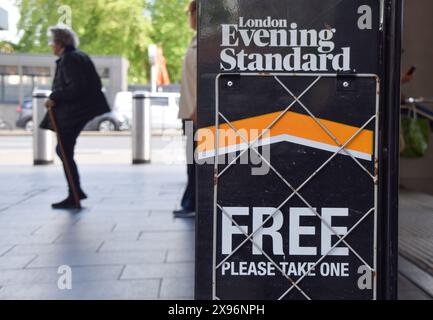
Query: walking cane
[[75, 193]]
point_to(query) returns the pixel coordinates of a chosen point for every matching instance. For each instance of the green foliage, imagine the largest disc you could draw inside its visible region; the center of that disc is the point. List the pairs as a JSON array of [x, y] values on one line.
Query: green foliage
[[170, 29], [416, 133], [113, 27], [105, 27], [6, 47]]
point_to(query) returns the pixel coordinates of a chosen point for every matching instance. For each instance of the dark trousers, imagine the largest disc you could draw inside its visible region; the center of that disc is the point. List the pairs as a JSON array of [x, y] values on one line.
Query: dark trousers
[[188, 199], [69, 139]]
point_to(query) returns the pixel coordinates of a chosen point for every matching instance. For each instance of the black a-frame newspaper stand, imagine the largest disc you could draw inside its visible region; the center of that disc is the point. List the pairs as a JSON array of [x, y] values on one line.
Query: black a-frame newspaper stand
[[297, 155]]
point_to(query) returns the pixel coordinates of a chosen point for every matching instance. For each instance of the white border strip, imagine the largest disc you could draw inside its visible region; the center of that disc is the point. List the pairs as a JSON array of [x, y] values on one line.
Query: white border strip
[[285, 138]]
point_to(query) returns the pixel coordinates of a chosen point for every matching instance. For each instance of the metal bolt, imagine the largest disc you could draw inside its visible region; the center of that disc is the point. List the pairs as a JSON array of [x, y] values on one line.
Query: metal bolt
[[230, 83], [345, 84]]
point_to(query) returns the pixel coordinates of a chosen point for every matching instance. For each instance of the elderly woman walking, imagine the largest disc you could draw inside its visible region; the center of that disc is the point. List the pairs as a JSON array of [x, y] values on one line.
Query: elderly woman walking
[[76, 98]]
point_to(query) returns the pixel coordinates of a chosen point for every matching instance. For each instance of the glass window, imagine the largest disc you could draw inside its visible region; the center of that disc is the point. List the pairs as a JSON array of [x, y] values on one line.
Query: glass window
[[103, 72], [8, 70], [10, 88], [160, 102], [36, 71]]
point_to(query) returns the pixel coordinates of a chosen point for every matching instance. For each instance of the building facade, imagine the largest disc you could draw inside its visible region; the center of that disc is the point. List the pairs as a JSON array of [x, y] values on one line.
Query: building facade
[[20, 74], [4, 21]]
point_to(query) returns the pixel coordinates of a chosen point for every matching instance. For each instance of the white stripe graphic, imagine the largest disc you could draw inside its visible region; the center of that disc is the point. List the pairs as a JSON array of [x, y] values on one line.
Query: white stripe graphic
[[285, 138]]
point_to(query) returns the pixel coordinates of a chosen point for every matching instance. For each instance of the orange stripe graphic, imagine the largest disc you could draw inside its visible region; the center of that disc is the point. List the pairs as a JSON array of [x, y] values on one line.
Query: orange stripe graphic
[[294, 124]]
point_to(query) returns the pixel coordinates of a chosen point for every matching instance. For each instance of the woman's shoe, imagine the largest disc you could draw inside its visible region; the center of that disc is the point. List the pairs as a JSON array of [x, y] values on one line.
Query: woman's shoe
[[184, 213], [68, 203]]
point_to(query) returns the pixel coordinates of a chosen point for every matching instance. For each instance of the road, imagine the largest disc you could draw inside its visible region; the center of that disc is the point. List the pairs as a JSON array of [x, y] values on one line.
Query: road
[[96, 149]]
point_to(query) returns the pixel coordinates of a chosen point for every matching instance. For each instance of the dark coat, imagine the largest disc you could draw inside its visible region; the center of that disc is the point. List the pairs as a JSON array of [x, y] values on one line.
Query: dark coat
[[77, 92]]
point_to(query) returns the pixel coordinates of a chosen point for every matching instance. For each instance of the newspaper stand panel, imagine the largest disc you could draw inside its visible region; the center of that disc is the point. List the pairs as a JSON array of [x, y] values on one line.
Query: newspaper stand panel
[[289, 149]]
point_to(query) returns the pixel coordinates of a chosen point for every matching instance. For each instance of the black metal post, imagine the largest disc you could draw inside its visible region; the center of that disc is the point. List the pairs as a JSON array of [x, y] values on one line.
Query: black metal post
[[390, 147]]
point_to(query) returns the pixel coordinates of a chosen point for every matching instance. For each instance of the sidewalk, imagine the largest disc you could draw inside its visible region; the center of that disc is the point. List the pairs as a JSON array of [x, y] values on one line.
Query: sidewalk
[[125, 244], [416, 238], [416, 228]]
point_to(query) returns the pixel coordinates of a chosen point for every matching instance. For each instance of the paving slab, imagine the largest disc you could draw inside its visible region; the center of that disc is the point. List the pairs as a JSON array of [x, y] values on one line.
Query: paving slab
[[126, 244]]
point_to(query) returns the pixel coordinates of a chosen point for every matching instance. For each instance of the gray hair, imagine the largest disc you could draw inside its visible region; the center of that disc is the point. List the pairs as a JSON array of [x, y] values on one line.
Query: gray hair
[[63, 36]]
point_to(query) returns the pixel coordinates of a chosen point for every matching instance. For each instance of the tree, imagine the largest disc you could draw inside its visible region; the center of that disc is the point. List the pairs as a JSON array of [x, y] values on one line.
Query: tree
[[170, 29], [112, 27], [105, 27], [6, 47]]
